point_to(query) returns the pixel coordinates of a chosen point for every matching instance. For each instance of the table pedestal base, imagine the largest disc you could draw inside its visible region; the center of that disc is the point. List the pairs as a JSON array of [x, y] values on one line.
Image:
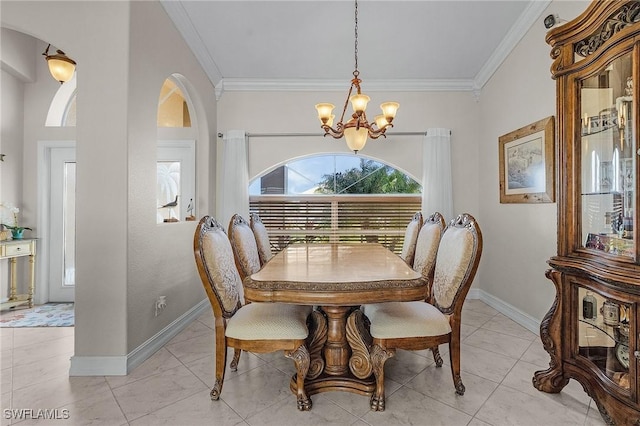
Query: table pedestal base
[[346, 383]]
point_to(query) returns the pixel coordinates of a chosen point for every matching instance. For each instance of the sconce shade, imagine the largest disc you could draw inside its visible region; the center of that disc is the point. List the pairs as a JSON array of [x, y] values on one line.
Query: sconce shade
[[61, 67]]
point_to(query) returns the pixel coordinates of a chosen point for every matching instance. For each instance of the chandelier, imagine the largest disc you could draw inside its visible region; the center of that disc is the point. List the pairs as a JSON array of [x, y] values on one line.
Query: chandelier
[[61, 66], [357, 128]]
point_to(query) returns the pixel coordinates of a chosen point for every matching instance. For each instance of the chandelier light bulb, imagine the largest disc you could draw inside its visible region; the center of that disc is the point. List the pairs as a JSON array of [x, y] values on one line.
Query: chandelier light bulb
[[389, 110], [359, 103]]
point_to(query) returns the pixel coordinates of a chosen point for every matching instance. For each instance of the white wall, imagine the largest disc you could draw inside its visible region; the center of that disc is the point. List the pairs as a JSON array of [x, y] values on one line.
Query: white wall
[[160, 260], [519, 238], [124, 260], [294, 112]]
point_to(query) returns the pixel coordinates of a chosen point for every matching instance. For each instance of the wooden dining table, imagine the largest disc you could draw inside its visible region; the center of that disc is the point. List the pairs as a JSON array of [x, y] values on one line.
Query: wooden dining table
[[337, 279]]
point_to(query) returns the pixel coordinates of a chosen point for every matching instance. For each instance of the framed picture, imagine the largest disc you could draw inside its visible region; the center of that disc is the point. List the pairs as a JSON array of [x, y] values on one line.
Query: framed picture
[[527, 170]]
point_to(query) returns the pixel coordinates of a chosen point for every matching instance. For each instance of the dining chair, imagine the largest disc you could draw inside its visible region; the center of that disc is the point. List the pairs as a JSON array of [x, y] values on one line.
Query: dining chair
[[255, 327], [410, 238], [245, 248], [420, 325], [262, 238]]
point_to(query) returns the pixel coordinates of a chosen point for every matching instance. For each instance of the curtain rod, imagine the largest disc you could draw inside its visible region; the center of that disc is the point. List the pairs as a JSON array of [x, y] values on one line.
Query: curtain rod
[[274, 135]]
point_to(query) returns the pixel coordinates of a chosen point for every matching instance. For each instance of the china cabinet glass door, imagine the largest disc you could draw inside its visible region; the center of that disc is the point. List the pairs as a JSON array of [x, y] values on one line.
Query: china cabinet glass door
[[608, 159], [603, 335]]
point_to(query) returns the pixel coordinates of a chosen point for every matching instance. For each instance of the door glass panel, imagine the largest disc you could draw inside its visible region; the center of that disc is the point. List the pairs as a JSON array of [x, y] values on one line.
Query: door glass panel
[[608, 161], [69, 221], [603, 334]]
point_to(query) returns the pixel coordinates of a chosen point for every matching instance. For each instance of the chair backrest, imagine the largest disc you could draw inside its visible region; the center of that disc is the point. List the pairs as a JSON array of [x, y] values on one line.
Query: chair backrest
[[217, 269], [243, 243], [262, 238], [427, 245], [456, 263], [410, 238]]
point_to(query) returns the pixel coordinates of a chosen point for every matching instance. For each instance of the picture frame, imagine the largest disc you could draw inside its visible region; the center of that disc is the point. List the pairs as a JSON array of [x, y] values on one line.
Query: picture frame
[[527, 163]]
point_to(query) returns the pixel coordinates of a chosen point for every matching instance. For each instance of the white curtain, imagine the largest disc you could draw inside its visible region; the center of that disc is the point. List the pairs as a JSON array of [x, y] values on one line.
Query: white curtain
[[437, 190], [235, 177]]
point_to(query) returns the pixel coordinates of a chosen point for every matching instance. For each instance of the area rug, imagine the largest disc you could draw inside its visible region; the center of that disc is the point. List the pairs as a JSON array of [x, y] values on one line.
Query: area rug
[[47, 315]]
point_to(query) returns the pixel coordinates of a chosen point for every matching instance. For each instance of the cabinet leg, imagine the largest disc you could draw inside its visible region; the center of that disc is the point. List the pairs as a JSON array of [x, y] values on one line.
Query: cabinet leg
[[552, 380]]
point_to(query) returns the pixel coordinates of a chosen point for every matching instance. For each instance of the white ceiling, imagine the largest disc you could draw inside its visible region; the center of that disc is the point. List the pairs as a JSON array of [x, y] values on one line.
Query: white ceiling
[[309, 44]]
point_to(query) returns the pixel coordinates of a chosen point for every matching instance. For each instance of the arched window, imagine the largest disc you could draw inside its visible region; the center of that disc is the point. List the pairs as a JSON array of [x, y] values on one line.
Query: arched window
[[173, 110], [334, 174], [331, 198], [175, 190]]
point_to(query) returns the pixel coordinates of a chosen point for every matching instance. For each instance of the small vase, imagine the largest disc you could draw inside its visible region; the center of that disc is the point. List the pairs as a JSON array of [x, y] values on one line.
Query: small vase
[[17, 234]]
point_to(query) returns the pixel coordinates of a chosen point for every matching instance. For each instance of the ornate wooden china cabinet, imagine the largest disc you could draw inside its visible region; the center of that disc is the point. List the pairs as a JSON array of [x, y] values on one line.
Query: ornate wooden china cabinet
[[592, 331]]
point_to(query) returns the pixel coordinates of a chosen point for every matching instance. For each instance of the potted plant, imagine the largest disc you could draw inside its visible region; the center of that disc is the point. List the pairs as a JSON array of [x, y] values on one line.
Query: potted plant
[[16, 229]]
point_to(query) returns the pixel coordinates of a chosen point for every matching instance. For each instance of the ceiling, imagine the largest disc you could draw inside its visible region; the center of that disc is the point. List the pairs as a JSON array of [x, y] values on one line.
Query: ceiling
[[309, 44]]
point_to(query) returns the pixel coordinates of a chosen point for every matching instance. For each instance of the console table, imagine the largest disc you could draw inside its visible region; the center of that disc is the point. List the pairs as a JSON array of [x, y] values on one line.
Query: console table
[[12, 250]]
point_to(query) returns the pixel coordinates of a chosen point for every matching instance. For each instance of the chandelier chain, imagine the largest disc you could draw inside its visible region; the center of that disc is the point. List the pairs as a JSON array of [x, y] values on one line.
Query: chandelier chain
[[356, 72]]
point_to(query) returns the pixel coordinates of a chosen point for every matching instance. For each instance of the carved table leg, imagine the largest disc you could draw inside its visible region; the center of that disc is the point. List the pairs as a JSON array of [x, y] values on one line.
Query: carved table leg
[[315, 343], [336, 350], [552, 380], [360, 341]]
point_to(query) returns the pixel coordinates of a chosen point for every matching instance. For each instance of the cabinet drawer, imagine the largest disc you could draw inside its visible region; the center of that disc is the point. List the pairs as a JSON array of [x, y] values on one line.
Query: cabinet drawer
[[17, 249]]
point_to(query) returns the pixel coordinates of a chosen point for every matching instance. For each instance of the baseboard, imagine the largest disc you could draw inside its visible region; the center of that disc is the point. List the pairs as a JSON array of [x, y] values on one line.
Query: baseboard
[[148, 348], [122, 365], [510, 311], [98, 366]]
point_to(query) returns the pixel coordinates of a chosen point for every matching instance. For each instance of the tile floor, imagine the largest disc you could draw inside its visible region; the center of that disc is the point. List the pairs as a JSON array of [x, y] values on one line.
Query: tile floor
[[172, 387]]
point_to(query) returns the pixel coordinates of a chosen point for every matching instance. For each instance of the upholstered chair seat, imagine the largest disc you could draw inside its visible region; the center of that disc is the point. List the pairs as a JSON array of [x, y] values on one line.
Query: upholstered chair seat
[[269, 321], [254, 327], [406, 319]]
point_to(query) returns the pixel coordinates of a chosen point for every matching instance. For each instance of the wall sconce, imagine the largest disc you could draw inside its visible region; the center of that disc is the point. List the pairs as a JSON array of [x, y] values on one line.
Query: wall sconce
[[61, 66]]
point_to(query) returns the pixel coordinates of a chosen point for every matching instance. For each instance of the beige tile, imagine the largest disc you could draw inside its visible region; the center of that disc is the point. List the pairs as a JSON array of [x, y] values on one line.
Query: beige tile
[[536, 354], [408, 407], [6, 359], [37, 351], [194, 329], [510, 407], [6, 380], [499, 343], [5, 400], [476, 422], [208, 319], [405, 365], [358, 405], [572, 396], [6, 339], [437, 383], [161, 361], [194, 348], [97, 409], [29, 336], [474, 319], [483, 363], [205, 368], [504, 325], [252, 392], [40, 371], [155, 392], [59, 391], [195, 410], [478, 306], [284, 412]]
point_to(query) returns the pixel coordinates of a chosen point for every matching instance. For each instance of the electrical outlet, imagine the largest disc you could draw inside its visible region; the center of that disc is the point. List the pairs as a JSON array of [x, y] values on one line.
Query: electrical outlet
[[161, 303]]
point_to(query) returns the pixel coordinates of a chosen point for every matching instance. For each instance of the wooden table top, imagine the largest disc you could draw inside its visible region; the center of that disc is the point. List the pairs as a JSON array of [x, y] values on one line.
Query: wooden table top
[[335, 274]]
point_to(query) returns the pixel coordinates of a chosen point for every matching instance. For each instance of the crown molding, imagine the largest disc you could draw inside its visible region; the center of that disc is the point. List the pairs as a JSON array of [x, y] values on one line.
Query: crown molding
[[183, 23], [520, 27], [302, 85]]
